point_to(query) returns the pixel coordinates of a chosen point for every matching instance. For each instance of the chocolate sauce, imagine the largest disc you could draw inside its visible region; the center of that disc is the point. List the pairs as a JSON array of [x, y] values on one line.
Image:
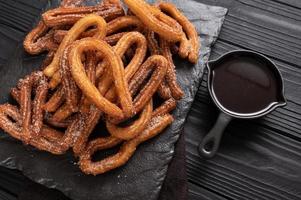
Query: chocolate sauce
[[244, 84]]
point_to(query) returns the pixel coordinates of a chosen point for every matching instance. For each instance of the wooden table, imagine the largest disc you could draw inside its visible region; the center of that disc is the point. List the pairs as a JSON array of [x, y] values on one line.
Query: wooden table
[[258, 159]]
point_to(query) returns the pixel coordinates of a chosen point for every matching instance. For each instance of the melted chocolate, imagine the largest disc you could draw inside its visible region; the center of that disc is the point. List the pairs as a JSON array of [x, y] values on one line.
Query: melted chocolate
[[245, 84]]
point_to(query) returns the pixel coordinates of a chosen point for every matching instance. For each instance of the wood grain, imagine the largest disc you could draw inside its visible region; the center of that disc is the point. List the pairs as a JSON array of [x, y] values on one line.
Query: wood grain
[[258, 159]]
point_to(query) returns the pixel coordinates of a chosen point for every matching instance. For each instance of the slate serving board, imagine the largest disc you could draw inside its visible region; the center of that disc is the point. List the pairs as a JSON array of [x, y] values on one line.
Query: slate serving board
[[143, 175], [258, 159]]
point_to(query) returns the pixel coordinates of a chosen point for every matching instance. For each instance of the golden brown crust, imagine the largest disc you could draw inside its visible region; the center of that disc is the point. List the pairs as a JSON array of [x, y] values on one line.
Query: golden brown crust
[[155, 20], [55, 101], [156, 125], [135, 128], [69, 16], [189, 46], [157, 64], [39, 39], [89, 89], [97, 71], [171, 77], [73, 34]]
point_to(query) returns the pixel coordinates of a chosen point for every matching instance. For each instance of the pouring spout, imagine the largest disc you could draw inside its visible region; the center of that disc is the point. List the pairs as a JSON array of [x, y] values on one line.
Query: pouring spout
[[282, 101], [211, 64]]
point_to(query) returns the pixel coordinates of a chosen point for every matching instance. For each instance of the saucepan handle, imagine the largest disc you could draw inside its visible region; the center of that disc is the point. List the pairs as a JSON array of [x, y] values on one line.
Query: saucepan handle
[[210, 143]]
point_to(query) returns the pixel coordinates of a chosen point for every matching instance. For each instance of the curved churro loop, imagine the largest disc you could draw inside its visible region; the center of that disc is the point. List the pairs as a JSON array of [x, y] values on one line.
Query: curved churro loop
[[32, 118], [48, 59], [39, 40], [15, 93], [156, 125], [129, 39], [113, 28], [25, 109], [71, 90], [90, 91], [152, 43], [91, 81], [58, 143], [73, 34], [154, 48], [69, 16], [169, 87], [63, 142], [27, 124], [55, 80], [58, 35], [90, 65], [124, 43], [62, 113], [91, 119], [57, 124], [10, 120], [55, 101], [131, 131], [113, 39], [37, 111], [171, 76], [168, 106], [157, 64], [164, 91], [155, 20], [88, 111], [124, 22], [51, 134], [100, 71], [104, 143], [191, 49]]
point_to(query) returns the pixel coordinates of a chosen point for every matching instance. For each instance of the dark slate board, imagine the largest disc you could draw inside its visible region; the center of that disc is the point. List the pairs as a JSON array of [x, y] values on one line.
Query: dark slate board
[[144, 173], [258, 159]]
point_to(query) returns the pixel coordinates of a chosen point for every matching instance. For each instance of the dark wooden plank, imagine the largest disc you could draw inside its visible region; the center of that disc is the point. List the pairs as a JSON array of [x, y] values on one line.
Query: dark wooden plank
[[241, 171], [9, 38], [20, 24], [20, 14], [257, 163], [292, 3], [16, 19], [263, 26], [11, 181], [6, 196], [263, 160], [198, 193], [275, 7], [229, 3]]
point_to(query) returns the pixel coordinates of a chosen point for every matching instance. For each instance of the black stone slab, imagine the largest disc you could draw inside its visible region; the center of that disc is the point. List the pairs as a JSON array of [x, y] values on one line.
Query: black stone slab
[[143, 175]]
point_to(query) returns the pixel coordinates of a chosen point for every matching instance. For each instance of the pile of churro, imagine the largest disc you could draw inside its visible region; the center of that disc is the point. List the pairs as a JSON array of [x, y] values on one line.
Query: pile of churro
[[103, 65]]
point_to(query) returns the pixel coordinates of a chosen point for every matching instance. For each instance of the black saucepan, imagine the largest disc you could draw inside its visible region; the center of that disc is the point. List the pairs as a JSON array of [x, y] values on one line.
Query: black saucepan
[[245, 85]]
